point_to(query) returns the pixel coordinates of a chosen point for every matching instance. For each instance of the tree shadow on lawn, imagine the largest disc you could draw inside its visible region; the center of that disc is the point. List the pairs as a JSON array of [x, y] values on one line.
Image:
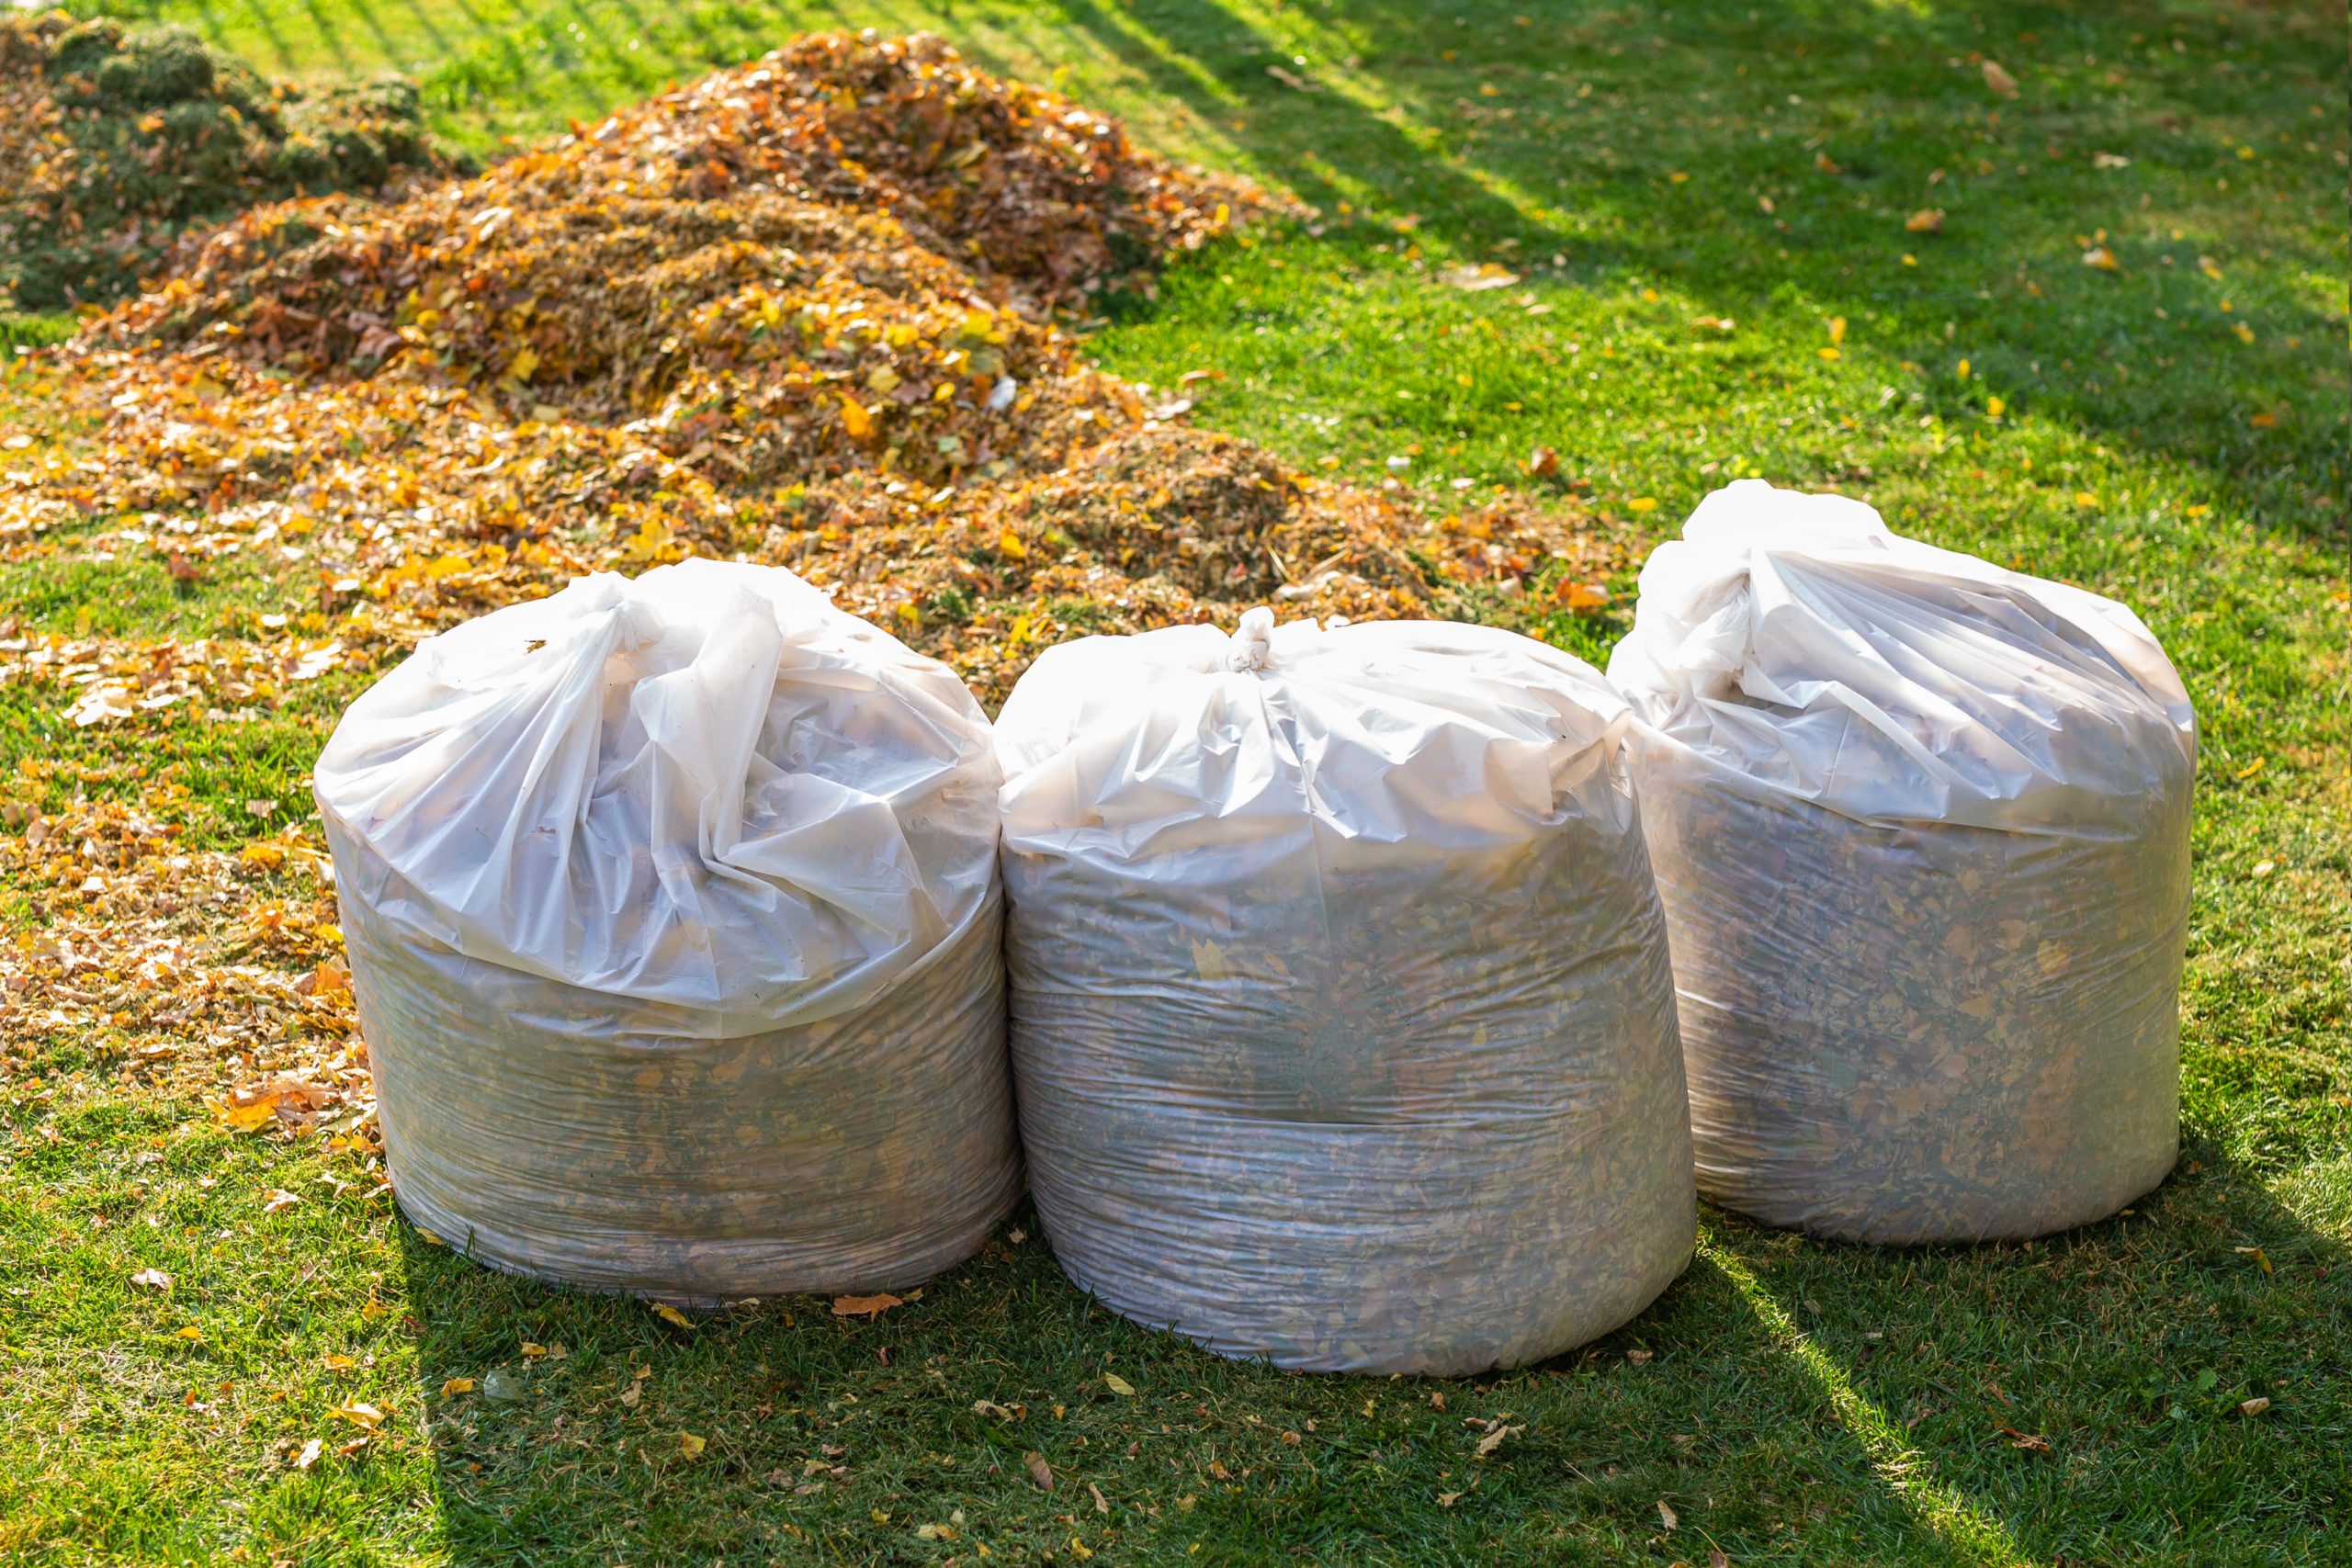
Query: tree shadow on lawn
[[1651, 145], [1799, 1400]]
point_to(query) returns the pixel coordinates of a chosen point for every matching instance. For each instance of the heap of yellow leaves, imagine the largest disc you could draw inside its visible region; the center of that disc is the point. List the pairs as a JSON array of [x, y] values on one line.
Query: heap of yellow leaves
[[809, 311]]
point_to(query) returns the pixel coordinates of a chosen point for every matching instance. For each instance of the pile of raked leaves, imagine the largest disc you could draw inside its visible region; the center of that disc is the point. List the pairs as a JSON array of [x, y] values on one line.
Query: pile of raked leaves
[[814, 311]]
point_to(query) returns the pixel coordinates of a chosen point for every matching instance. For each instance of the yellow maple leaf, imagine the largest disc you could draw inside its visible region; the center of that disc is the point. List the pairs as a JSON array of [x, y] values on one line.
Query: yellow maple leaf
[[246, 1118], [859, 422]]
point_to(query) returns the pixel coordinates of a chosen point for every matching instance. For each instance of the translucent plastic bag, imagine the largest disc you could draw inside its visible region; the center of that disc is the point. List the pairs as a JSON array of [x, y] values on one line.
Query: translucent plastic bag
[[674, 925], [1921, 828], [1341, 1015]]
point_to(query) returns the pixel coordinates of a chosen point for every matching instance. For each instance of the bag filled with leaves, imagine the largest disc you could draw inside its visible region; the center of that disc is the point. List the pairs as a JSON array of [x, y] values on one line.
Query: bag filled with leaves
[[1342, 1020], [1921, 828], [674, 924]]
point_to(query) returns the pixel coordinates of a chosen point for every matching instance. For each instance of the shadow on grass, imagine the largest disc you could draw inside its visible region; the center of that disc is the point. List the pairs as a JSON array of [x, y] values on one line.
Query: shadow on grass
[[1780, 172], [1951, 1406]]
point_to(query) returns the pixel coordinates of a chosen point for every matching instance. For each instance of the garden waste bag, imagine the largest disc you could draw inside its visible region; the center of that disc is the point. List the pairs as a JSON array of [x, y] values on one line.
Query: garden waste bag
[[1343, 1020], [674, 924], [1921, 828]]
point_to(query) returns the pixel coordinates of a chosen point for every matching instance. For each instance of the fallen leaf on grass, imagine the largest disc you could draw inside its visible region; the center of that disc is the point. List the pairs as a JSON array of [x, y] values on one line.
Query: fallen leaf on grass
[[1447, 1499], [673, 1316], [191, 1333], [2025, 1442], [1118, 1385], [1292, 79], [2102, 258], [453, 1387], [865, 1307], [1041, 1474], [1494, 1439], [359, 1415], [250, 1118], [2253, 1406], [1715, 1558], [152, 1278], [2000, 80], [689, 1445], [1927, 221], [1542, 463], [1101, 1504], [1579, 596], [992, 1409], [309, 1454], [2261, 1258], [935, 1532], [1639, 1358], [280, 1199], [1477, 277], [1667, 1516]]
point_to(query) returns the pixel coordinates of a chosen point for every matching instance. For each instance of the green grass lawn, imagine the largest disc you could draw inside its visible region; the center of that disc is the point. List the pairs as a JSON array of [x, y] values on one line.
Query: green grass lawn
[[2172, 431]]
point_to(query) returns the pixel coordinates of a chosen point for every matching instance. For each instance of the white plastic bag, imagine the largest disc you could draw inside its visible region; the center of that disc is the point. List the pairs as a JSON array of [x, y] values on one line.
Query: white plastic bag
[[1921, 827], [1341, 1015], [673, 920]]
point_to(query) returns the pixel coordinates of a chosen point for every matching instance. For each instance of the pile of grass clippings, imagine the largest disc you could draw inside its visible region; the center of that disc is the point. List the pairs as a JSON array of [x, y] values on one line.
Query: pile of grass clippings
[[807, 311], [114, 144]]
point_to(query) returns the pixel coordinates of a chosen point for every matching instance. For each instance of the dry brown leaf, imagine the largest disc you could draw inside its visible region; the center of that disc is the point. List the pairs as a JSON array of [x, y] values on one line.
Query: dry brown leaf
[[1496, 1437], [865, 1306], [1041, 1474]]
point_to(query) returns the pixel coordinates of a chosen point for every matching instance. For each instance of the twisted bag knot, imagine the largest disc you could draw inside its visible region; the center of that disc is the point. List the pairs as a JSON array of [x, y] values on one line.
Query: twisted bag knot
[[1253, 641]]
